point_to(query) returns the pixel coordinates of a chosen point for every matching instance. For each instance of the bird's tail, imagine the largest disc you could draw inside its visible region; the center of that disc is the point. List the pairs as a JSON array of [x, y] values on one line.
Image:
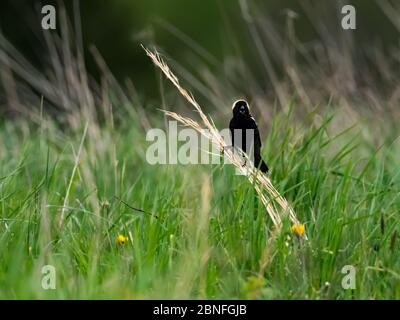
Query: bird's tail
[[261, 165]]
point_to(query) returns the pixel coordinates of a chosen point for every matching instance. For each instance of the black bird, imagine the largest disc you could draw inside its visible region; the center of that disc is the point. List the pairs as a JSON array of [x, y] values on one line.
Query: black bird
[[241, 121]]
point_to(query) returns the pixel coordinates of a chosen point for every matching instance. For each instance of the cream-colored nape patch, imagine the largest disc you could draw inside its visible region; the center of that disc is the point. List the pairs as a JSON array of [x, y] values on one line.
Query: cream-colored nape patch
[[233, 105]]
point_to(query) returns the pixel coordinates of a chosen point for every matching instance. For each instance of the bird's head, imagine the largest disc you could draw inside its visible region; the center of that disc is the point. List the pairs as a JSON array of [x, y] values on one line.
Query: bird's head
[[241, 107]]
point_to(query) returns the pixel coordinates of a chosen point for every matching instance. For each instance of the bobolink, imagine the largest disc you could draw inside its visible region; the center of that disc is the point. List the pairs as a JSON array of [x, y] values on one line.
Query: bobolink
[[242, 121]]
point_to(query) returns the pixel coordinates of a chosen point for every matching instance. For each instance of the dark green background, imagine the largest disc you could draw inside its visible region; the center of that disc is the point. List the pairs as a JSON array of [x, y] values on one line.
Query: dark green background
[[117, 28]]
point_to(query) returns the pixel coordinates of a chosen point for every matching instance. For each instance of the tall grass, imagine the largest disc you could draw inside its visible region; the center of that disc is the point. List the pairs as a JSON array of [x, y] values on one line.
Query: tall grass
[[203, 234], [73, 179]]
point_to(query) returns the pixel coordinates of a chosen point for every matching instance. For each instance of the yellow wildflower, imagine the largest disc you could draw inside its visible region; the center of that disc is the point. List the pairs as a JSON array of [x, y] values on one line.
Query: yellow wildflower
[[121, 239], [298, 229]]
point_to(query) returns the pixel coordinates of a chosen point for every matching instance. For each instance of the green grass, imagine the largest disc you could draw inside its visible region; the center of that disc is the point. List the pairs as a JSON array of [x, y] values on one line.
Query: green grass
[[204, 232]]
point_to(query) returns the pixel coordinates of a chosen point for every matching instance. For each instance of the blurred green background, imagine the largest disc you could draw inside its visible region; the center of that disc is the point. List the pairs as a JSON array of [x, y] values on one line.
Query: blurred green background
[[118, 27], [326, 101]]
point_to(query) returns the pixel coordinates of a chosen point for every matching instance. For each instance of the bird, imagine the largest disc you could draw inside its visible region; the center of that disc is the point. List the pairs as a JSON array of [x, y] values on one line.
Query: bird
[[240, 122]]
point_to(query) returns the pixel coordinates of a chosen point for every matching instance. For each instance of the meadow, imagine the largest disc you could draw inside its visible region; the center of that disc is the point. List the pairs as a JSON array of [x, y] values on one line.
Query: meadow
[[77, 194], [202, 231]]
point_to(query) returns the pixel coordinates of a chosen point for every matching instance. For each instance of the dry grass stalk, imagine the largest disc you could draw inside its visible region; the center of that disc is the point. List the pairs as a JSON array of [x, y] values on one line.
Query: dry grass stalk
[[260, 181]]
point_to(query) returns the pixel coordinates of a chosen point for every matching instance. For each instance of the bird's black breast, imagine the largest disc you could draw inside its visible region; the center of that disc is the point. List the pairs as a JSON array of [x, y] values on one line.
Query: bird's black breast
[[242, 123], [238, 126]]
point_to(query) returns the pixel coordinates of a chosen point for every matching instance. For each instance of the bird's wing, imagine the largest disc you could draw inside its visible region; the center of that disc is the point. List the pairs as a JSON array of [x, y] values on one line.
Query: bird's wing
[[257, 139]]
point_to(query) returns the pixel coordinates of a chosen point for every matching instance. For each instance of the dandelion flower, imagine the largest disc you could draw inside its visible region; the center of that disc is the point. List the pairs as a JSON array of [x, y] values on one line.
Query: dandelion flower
[[121, 239], [298, 229]]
